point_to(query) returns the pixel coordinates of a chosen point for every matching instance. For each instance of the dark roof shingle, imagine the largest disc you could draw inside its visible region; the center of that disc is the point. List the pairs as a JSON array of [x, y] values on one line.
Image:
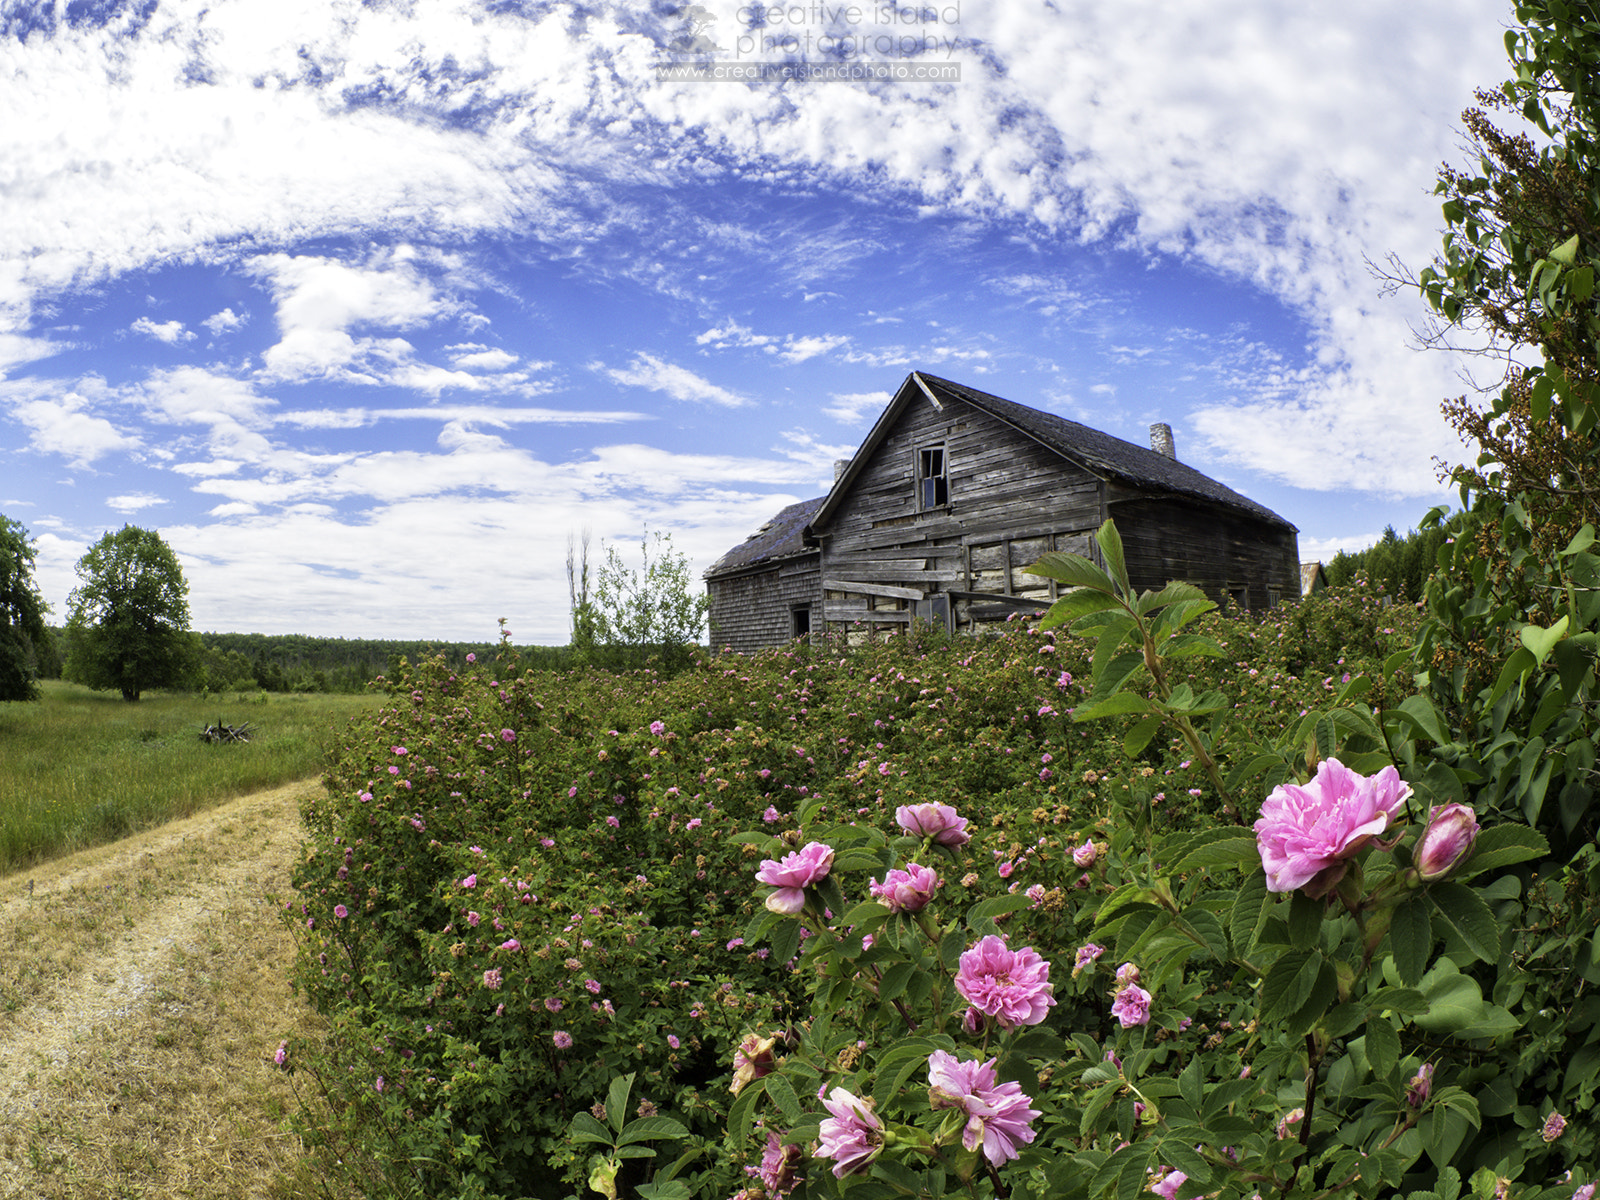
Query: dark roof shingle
[[1103, 452], [781, 537]]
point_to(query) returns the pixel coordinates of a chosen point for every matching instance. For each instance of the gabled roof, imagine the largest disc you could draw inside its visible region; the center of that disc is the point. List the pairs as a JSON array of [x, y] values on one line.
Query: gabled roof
[[782, 537], [1100, 453]]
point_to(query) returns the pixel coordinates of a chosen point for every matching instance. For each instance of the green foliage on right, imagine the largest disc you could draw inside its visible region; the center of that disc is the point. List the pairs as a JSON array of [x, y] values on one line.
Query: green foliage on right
[[23, 635], [128, 620]]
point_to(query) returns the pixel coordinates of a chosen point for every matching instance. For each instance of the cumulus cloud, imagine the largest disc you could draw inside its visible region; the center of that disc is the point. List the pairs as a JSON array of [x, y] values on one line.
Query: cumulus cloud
[[170, 332], [223, 322], [67, 425]]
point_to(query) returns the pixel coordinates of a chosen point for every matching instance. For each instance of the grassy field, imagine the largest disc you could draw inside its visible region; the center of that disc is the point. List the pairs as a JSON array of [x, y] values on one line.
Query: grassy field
[[80, 767]]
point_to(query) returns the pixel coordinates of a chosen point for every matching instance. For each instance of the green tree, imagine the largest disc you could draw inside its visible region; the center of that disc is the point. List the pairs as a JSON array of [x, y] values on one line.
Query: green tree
[[1508, 652], [647, 612], [23, 636], [128, 621]]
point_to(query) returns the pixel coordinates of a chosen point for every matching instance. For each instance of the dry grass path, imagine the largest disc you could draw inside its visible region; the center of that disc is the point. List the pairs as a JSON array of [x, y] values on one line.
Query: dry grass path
[[143, 989]]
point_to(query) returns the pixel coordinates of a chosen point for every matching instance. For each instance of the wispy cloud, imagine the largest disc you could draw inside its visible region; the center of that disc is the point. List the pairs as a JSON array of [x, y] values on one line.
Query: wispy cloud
[[648, 371]]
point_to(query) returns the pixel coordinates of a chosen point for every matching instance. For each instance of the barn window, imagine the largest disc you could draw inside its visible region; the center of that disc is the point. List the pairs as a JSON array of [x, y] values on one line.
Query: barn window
[[933, 483], [1274, 595], [800, 622]]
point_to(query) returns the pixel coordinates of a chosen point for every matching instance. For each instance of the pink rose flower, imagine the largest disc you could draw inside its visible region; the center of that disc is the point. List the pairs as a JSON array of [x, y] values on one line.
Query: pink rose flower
[[938, 821], [1446, 841], [1168, 1186], [1088, 954], [1084, 855], [1554, 1126], [1132, 1006], [779, 1171], [908, 890], [1012, 986], [751, 1060], [1308, 833], [562, 1039], [852, 1136], [793, 874], [998, 1114]]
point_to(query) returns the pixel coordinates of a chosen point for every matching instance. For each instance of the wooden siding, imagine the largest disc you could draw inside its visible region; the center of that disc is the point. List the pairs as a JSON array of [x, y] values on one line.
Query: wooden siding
[[753, 611], [1011, 500], [1221, 552]]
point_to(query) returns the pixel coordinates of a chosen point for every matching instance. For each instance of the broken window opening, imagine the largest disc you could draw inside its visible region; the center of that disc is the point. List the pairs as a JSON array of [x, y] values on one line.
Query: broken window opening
[[933, 483]]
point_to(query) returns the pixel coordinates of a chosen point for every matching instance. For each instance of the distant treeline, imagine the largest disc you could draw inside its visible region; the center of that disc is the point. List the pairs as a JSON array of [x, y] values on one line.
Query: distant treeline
[[1398, 566], [292, 662]]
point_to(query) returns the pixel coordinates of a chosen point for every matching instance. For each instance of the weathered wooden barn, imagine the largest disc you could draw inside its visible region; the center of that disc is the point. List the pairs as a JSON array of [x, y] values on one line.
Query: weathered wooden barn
[[954, 492]]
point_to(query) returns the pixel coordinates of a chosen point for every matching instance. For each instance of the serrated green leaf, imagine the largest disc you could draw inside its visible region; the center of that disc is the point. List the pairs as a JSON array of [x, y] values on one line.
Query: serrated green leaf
[[1411, 938], [1464, 911], [1502, 846], [1074, 570], [1288, 983], [648, 1129], [1383, 1046], [585, 1128], [785, 940], [1246, 913], [1234, 850], [782, 1093], [1110, 543], [1139, 736], [1305, 920], [895, 979], [617, 1101]]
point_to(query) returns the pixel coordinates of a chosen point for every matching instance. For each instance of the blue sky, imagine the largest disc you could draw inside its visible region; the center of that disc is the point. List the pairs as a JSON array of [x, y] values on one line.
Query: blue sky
[[369, 307]]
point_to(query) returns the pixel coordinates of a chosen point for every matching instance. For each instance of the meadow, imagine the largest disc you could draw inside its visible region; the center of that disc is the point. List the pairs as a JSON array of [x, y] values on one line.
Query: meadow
[[81, 768]]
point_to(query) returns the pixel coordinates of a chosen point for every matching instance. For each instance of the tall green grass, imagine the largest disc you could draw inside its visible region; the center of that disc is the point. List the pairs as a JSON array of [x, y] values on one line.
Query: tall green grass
[[80, 768]]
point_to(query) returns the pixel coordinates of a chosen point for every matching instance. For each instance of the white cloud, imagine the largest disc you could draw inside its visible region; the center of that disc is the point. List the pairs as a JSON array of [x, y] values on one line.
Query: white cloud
[[64, 425], [133, 502], [851, 408], [648, 371], [170, 332], [475, 357], [225, 321]]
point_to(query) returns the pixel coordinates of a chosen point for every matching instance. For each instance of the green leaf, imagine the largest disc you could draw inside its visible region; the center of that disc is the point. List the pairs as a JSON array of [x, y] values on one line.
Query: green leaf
[[1464, 911], [1191, 1083], [782, 1093], [984, 912], [585, 1128], [895, 979], [1411, 938], [1305, 920], [1189, 645], [1540, 641], [1074, 570], [785, 940], [1139, 736], [1501, 846], [1079, 602], [1110, 542], [617, 1101], [1324, 991], [1566, 253], [1122, 704], [1224, 848], [649, 1129], [1209, 929], [1383, 1046], [1246, 914], [1288, 982]]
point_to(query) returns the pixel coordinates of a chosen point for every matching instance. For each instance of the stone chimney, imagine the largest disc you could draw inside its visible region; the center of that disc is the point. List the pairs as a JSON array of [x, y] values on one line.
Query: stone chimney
[[1161, 440], [839, 464]]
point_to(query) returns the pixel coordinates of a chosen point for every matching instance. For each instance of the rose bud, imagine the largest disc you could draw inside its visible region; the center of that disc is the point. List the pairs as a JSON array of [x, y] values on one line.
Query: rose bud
[[1446, 841]]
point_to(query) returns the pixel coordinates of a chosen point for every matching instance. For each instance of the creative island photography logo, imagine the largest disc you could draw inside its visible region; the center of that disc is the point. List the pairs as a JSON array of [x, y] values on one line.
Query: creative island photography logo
[[815, 42]]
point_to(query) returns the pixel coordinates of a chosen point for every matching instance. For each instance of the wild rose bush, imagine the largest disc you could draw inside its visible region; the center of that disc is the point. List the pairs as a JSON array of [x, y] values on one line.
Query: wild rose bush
[[1366, 993], [543, 891]]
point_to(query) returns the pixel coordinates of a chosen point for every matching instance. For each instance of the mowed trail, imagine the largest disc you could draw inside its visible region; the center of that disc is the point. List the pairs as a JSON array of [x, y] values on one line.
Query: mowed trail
[[143, 989]]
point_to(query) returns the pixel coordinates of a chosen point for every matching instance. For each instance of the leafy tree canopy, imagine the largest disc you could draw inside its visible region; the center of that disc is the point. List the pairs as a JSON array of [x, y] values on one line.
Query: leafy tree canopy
[[128, 621], [633, 615], [22, 630]]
